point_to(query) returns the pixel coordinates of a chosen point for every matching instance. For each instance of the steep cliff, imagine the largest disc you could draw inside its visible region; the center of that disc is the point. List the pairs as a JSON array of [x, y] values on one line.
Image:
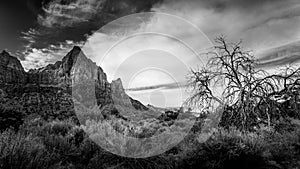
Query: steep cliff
[[48, 90], [63, 73], [118, 94], [11, 70]]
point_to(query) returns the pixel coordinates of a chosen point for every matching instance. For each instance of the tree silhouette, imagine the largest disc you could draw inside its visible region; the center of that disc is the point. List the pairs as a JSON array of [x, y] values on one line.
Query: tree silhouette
[[231, 79]]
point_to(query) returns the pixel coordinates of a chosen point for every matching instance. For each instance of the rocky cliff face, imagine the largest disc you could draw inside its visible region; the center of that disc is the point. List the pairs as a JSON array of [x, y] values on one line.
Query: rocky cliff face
[[49, 89], [74, 65], [118, 94], [121, 98], [11, 70]]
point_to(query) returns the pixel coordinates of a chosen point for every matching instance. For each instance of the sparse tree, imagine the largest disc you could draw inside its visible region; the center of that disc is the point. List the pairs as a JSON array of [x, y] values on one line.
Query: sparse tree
[[231, 79]]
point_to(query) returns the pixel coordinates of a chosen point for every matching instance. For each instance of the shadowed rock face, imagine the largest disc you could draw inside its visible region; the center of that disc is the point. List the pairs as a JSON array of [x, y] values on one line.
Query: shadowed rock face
[[119, 95], [75, 67], [49, 88], [11, 70]]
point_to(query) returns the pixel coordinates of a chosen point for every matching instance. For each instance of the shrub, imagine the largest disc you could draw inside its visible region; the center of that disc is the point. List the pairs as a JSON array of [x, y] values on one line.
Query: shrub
[[62, 144], [10, 117], [22, 151]]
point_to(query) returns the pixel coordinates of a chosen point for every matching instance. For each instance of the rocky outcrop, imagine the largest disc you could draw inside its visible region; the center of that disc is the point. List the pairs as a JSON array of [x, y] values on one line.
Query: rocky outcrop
[[118, 94], [50, 89], [75, 67], [137, 105], [11, 70]]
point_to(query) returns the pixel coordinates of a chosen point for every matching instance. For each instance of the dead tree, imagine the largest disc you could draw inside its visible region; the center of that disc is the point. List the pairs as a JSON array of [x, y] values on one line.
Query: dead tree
[[243, 87]]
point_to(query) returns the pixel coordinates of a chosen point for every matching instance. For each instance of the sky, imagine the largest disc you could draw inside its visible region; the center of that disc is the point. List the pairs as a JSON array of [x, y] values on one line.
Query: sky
[[40, 32]]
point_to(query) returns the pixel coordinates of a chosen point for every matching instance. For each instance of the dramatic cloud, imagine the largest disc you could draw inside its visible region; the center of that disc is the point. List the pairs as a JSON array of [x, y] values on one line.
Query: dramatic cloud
[[279, 56], [223, 5], [260, 23], [60, 21], [162, 86], [30, 35], [66, 14], [61, 13]]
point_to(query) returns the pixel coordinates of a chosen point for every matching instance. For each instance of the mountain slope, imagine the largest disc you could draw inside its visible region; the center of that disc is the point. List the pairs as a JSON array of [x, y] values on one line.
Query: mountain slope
[[48, 91]]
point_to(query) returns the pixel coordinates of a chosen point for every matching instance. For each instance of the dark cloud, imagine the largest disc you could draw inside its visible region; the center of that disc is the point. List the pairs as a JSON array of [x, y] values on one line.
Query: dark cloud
[[75, 19], [292, 59], [69, 13], [38, 24], [58, 21], [293, 12], [222, 5], [280, 56], [162, 86]]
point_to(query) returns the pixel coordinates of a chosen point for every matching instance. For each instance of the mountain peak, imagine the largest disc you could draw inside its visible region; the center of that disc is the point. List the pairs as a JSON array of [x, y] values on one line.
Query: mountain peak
[[76, 48], [10, 58], [75, 51], [118, 80], [117, 84], [11, 69], [4, 52], [70, 59]]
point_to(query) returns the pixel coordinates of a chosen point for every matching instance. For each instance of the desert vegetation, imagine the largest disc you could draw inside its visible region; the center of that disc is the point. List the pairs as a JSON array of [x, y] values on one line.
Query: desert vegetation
[[257, 113], [62, 144]]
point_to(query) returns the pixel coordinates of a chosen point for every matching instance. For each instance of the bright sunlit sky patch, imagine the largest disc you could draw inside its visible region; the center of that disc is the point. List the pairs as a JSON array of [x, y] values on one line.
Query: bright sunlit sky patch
[[162, 50]]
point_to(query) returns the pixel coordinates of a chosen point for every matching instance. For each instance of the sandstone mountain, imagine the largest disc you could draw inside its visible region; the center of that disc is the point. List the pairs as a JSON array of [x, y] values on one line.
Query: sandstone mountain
[[48, 91], [11, 70]]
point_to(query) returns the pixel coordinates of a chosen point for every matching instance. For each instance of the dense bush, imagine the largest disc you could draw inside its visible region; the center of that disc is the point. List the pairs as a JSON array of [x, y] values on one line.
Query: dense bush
[[61, 144], [10, 117]]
